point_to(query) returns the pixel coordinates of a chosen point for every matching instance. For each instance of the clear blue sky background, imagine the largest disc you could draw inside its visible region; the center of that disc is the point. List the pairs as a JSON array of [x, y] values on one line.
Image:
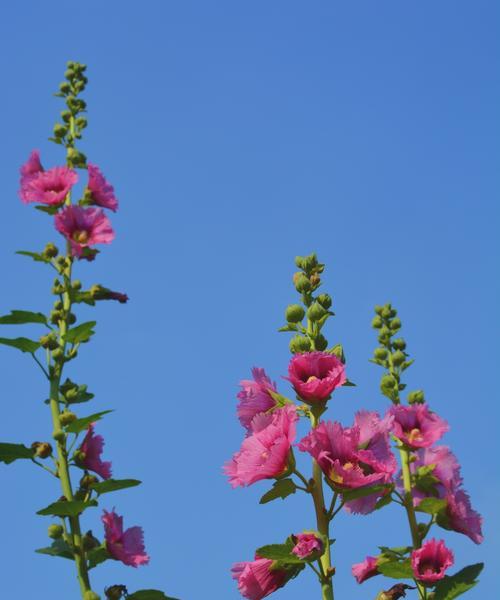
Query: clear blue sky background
[[237, 135]]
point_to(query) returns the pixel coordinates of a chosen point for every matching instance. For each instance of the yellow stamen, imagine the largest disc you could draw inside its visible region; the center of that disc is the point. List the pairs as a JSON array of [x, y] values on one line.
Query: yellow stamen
[[81, 236]]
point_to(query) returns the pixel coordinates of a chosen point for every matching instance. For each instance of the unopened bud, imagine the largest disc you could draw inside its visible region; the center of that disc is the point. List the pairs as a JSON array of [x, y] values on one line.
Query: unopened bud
[[50, 250], [380, 353], [395, 324], [81, 122], [55, 531], [69, 74], [87, 481], [67, 417], [398, 358], [42, 449], [299, 261], [58, 354], [115, 592], [300, 343], [71, 318], [66, 116], [399, 344], [60, 130], [76, 284], [320, 342], [325, 300], [416, 397], [315, 279], [89, 542], [65, 87], [302, 283], [59, 435], [49, 341], [378, 309], [315, 312], [388, 382], [377, 322], [294, 313], [386, 311]]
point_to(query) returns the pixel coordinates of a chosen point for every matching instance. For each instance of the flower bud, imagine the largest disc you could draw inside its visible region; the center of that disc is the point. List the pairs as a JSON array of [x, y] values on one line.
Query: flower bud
[[55, 531], [65, 87], [50, 250], [115, 592], [58, 354], [300, 343], [71, 319], [60, 130], [89, 542], [315, 280], [309, 262], [59, 435], [67, 417], [386, 311], [81, 122], [76, 284], [49, 341], [325, 300], [399, 344], [299, 261], [377, 322], [69, 73], [294, 313], [416, 397], [320, 342], [66, 116], [87, 481], [395, 324], [315, 312], [58, 305], [302, 283], [42, 449], [380, 353], [388, 382], [398, 358], [378, 309], [89, 595]]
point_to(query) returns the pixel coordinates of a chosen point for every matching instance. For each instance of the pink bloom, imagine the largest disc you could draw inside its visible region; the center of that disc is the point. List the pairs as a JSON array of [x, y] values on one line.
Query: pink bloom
[[416, 426], [257, 579], [100, 192], [308, 545], [254, 397], [99, 292], [32, 166], [366, 569], [84, 227], [91, 448], [314, 375], [47, 187], [126, 546], [264, 454], [462, 517], [430, 562]]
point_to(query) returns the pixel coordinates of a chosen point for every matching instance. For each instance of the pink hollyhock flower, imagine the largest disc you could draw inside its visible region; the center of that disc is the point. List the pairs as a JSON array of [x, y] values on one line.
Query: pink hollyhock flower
[[254, 397], [84, 227], [126, 546], [314, 375], [462, 517], [257, 579], [416, 426], [99, 191], [366, 569], [32, 166], [264, 454], [47, 187], [430, 562], [308, 546], [91, 448]]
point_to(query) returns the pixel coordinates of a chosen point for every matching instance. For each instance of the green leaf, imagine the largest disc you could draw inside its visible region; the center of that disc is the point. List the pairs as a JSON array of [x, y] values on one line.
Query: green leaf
[[19, 317], [397, 551], [21, 343], [384, 501], [289, 327], [98, 555], [58, 548], [80, 334], [281, 552], [363, 492], [455, 585], [338, 350], [47, 208], [66, 509], [113, 485], [396, 570], [34, 255], [80, 424], [149, 595], [348, 383], [281, 489], [11, 452], [431, 506]]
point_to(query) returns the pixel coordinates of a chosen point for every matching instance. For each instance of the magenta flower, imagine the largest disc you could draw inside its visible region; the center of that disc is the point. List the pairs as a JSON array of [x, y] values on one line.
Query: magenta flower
[[126, 546], [308, 546], [47, 187], [366, 569], [99, 191], [430, 562], [91, 450], [84, 227], [462, 517], [314, 375], [254, 397], [264, 454], [32, 166], [416, 426], [257, 579]]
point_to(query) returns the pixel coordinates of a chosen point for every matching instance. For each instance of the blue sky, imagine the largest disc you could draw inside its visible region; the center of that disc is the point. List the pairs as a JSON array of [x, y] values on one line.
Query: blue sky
[[237, 136]]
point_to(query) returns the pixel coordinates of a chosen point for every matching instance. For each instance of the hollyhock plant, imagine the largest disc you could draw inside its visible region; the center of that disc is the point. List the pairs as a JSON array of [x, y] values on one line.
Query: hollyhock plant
[[315, 375], [366, 569], [84, 227], [461, 517], [254, 397], [91, 450], [308, 546], [265, 453], [430, 562], [416, 426], [257, 579], [49, 187], [99, 191], [126, 546]]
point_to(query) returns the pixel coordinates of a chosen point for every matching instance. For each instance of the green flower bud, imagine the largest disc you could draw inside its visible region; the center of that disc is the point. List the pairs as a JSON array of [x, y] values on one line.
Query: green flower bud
[[299, 261], [399, 344], [60, 130], [395, 324], [398, 358], [76, 284], [81, 122], [416, 397], [58, 305], [65, 87], [67, 417], [315, 280], [88, 481], [49, 341], [55, 531], [379, 309], [386, 311], [300, 343], [302, 283], [66, 115], [55, 316], [309, 262], [116, 592], [71, 319], [294, 313], [58, 354], [89, 542], [42, 449], [321, 342], [380, 353], [388, 382], [325, 300], [89, 595], [76, 157], [50, 250], [377, 322], [69, 74], [394, 312], [315, 312]]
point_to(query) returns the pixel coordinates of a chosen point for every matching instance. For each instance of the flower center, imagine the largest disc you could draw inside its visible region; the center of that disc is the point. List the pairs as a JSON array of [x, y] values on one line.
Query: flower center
[[427, 567], [415, 435], [312, 378], [81, 236]]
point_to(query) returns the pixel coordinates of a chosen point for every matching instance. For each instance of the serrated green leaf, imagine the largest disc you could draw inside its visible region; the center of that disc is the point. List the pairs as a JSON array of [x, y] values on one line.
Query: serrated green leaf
[[98, 555], [20, 317], [349, 495], [81, 333], [58, 548], [21, 343], [113, 485], [281, 489], [34, 255], [431, 506], [452, 586], [396, 570], [66, 509], [149, 595], [80, 424], [11, 452]]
